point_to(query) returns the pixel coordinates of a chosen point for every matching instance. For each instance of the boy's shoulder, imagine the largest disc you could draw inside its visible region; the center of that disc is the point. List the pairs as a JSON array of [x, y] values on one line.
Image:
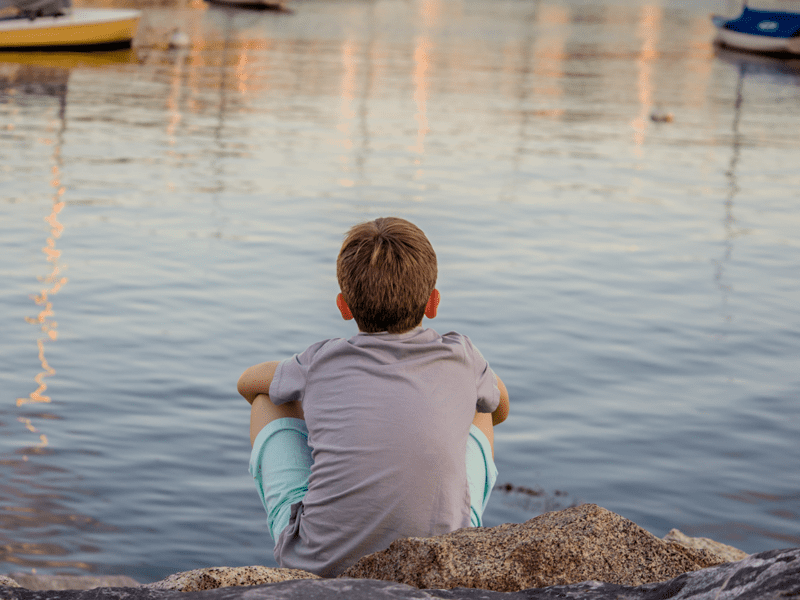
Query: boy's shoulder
[[420, 338], [319, 348]]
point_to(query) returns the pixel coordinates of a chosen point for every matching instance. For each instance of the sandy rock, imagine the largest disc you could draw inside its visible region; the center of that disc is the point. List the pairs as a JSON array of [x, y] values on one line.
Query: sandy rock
[[8, 582], [574, 545], [725, 552], [32, 581], [220, 577]]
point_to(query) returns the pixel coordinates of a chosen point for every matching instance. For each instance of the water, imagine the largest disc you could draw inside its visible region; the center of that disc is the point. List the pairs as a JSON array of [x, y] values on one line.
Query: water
[[168, 218]]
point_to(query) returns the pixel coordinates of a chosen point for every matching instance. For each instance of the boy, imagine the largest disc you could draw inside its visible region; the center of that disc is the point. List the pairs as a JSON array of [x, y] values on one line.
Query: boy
[[359, 442]]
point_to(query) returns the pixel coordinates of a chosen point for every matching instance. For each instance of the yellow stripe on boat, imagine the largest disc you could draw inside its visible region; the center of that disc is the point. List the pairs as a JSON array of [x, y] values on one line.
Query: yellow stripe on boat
[[82, 27]]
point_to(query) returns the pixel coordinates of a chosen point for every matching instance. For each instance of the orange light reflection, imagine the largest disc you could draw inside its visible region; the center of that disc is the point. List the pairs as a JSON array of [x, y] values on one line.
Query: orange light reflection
[[649, 28], [347, 111], [174, 99], [421, 62], [549, 56], [53, 284], [241, 72]]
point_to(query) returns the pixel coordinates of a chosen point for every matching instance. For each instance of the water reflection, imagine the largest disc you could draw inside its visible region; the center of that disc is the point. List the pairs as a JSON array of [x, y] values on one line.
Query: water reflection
[[648, 31], [347, 112], [32, 506], [48, 81], [781, 506], [422, 59], [784, 69], [33, 516], [747, 64], [537, 61], [546, 101], [46, 73], [733, 189], [549, 55], [535, 501], [367, 60]]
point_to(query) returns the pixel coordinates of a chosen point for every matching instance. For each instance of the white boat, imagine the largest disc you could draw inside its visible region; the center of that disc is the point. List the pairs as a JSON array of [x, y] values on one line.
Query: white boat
[[767, 31], [76, 29]]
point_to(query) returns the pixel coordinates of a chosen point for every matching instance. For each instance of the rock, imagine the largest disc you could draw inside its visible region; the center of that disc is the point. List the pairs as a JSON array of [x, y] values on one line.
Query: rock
[[32, 581], [774, 574], [8, 582], [725, 552], [659, 115], [588, 552], [217, 577], [305, 589], [577, 544]]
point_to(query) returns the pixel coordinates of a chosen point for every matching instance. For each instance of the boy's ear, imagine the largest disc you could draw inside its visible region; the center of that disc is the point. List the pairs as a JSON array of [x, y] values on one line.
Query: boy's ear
[[343, 308], [433, 304]]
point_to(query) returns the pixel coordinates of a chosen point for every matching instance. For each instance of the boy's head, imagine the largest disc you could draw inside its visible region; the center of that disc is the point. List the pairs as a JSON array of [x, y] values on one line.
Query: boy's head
[[387, 273]]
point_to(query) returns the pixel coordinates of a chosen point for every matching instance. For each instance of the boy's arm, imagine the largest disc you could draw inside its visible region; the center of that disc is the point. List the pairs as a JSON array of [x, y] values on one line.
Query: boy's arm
[[256, 380], [501, 412]]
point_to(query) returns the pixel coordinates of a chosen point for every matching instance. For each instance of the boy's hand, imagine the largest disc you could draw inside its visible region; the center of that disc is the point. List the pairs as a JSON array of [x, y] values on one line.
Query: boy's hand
[[501, 412], [256, 380]]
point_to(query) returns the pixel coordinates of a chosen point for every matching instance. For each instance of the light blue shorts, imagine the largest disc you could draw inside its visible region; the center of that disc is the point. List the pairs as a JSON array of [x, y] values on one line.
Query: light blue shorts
[[280, 464]]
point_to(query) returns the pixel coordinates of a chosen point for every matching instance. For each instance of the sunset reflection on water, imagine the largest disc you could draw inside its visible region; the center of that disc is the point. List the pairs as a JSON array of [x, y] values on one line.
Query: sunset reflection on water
[[643, 268], [53, 282], [31, 503]]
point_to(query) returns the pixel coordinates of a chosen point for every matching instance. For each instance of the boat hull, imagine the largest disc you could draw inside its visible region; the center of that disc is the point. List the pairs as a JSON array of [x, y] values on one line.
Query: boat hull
[[83, 28], [757, 43], [749, 39], [276, 5]]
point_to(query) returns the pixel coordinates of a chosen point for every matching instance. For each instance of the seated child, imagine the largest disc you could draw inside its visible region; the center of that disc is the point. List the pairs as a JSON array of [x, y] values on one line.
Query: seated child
[[389, 434]]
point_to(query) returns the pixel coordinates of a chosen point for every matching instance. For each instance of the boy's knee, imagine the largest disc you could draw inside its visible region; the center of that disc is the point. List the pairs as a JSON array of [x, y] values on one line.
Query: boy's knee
[[483, 421], [264, 412]]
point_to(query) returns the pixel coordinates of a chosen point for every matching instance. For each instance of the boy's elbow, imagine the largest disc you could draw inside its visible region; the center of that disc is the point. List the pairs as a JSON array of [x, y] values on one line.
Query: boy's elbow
[[501, 413], [243, 387]]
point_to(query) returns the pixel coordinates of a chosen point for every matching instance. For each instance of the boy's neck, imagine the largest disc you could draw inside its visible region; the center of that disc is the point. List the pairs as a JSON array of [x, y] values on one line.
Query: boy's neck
[[395, 333]]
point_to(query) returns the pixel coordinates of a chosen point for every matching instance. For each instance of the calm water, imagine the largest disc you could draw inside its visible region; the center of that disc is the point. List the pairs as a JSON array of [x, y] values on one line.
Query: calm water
[[168, 218]]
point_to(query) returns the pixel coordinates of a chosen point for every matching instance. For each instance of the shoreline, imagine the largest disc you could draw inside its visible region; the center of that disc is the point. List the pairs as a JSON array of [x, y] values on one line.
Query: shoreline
[[576, 529]]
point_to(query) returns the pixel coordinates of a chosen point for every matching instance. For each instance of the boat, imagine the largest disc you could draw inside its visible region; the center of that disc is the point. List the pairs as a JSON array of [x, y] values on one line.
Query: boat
[[74, 29], [276, 5], [765, 31]]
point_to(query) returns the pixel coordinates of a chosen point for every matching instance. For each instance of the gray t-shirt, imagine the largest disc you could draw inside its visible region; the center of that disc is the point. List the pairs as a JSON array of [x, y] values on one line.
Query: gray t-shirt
[[388, 417]]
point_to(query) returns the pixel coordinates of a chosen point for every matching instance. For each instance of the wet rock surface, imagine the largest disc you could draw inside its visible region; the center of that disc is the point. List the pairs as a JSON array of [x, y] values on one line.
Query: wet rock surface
[[70, 582], [774, 574]]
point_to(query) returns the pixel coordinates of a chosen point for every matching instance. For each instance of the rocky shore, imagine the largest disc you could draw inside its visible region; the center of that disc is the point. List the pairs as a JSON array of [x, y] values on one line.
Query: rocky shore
[[582, 552]]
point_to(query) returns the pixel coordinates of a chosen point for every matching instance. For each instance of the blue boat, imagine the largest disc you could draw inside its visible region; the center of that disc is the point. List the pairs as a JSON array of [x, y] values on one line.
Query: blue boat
[[769, 31]]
